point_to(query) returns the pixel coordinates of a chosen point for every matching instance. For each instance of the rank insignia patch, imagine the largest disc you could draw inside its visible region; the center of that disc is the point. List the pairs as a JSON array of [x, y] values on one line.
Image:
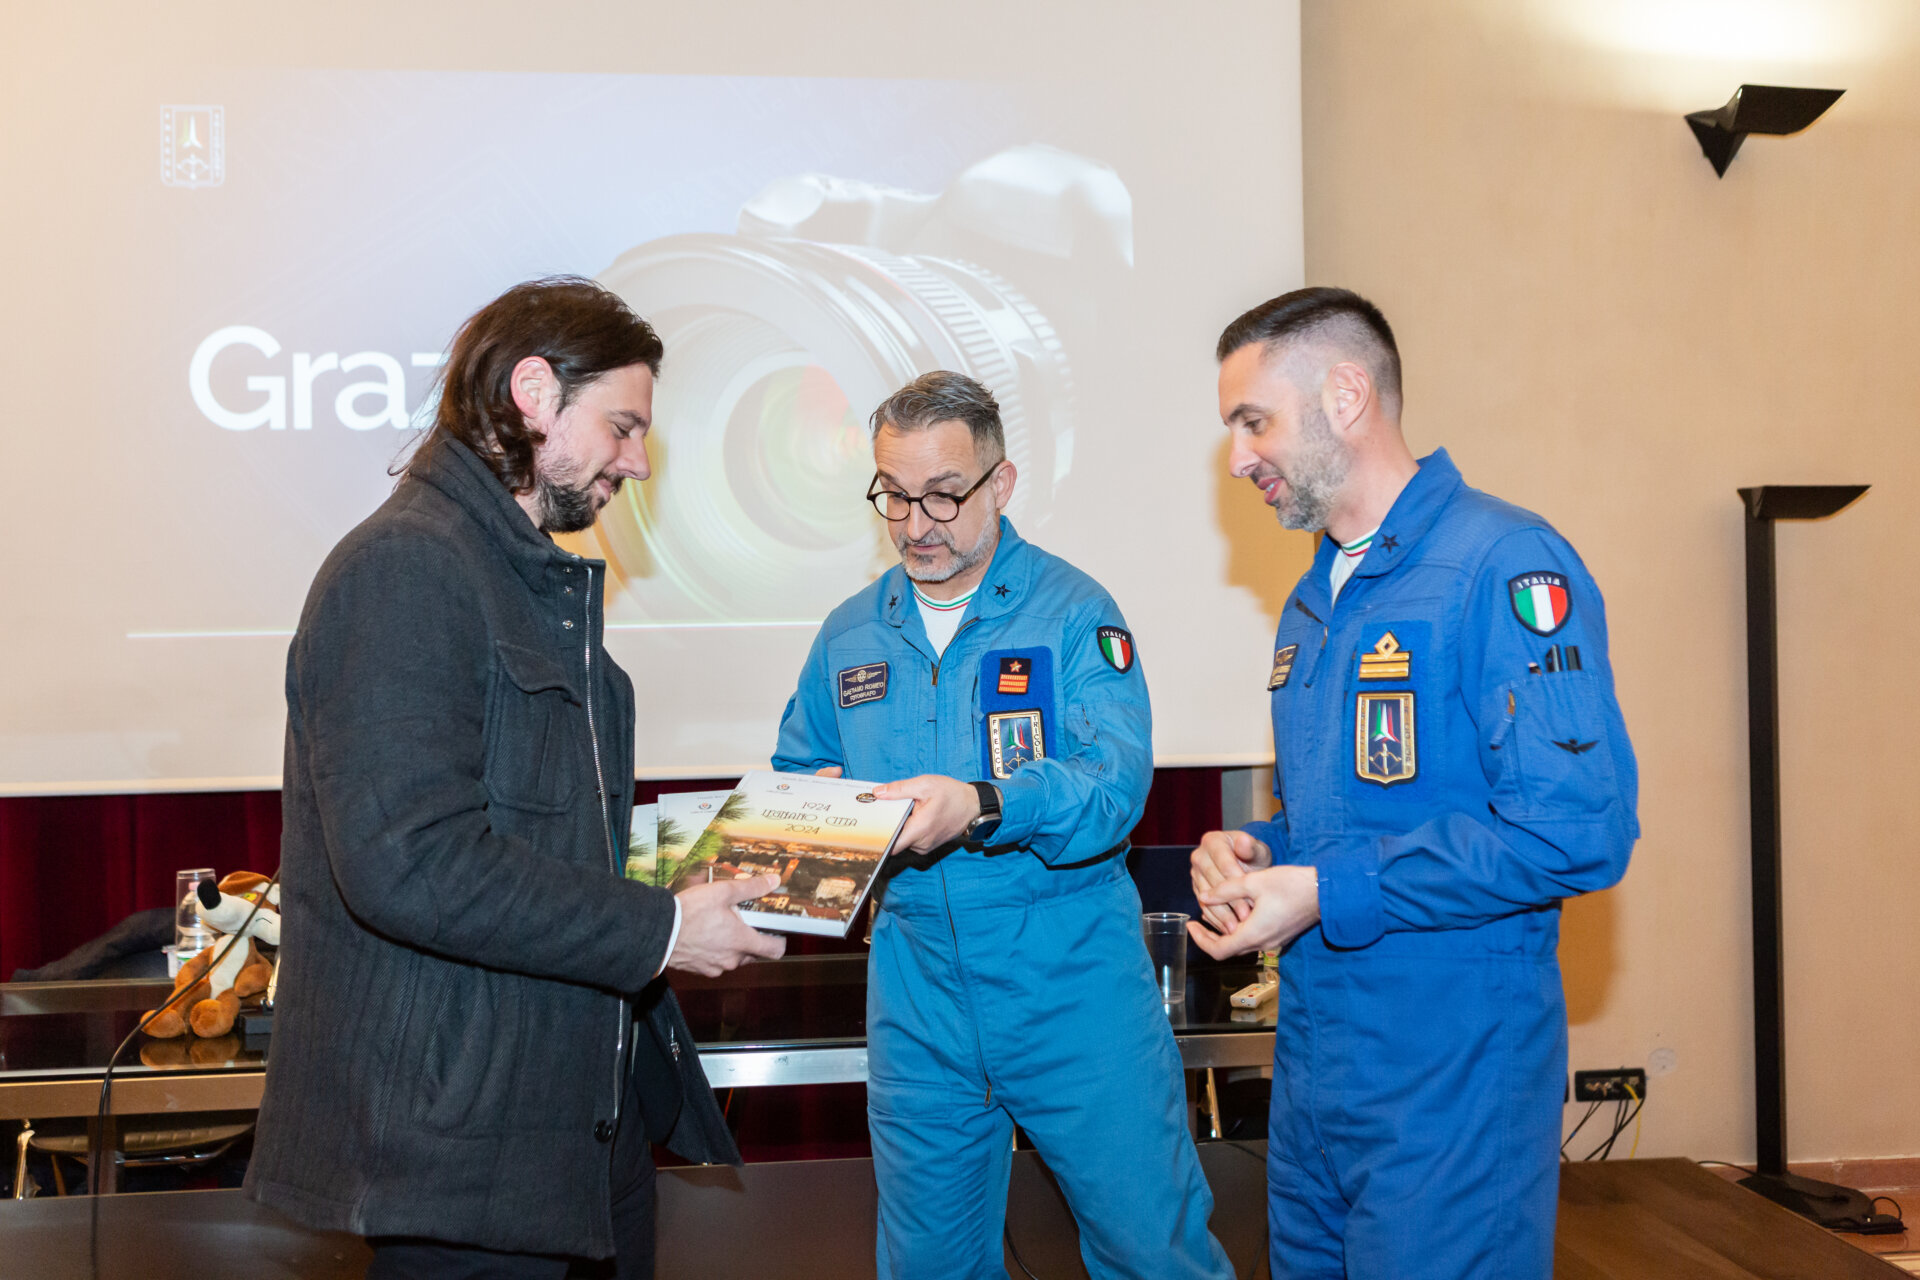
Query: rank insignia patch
[[1014, 738], [1116, 646], [1388, 661], [1540, 601], [1014, 675], [1282, 666], [863, 684], [1383, 738]]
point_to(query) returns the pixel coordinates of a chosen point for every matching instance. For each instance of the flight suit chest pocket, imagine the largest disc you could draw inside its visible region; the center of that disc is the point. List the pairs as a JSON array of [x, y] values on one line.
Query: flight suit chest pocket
[[874, 702], [536, 732], [1394, 709]]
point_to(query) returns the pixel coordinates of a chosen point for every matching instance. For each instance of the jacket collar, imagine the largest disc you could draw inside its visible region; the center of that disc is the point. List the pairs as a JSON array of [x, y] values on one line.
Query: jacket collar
[[1009, 577], [1411, 515], [458, 472]]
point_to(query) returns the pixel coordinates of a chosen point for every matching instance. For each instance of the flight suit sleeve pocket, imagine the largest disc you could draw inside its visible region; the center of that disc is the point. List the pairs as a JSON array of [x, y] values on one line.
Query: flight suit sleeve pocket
[[1558, 757], [1080, 726]]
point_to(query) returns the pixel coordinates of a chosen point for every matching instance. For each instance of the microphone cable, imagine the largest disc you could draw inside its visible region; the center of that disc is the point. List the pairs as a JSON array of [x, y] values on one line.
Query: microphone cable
[[96, 1145]]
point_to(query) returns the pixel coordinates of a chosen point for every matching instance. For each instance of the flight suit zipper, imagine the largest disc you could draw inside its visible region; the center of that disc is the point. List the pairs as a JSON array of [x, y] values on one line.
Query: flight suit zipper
[[953, 931], [956, 635], [936, 684], [606, 832], [1313, 671]]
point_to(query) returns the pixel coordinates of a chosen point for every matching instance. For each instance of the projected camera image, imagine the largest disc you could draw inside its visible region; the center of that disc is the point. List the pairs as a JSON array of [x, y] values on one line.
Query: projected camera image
[[782, 337]]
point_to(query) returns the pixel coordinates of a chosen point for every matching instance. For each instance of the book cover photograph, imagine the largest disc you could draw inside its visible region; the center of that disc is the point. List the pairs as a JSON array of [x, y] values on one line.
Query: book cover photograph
[[824, 837], [682, 849], [643, 855]]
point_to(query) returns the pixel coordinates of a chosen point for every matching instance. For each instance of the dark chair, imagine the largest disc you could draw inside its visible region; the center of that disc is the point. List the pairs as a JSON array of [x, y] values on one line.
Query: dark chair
[[131, 949]]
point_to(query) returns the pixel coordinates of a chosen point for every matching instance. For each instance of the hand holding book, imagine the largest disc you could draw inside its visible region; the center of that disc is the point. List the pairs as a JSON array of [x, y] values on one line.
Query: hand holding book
[[821, 837], [713, 936], [943, 809]]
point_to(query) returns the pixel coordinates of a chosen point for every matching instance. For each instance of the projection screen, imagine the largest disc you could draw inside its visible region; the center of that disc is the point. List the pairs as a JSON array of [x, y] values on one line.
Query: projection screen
[[240, 242]]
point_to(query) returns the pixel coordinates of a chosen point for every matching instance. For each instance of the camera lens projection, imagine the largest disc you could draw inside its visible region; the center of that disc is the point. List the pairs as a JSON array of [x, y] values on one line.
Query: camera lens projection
[[235, 287]]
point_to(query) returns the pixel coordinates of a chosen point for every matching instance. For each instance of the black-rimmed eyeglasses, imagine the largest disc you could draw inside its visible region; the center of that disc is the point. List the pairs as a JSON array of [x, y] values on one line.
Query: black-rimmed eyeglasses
[[939, 507]]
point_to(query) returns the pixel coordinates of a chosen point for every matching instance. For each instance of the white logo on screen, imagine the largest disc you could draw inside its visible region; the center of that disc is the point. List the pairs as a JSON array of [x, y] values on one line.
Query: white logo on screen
[[193, 146], [366, 405]]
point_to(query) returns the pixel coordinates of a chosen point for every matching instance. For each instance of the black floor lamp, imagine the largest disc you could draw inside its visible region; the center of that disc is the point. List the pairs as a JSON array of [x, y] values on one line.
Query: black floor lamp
[[1826, 1203]]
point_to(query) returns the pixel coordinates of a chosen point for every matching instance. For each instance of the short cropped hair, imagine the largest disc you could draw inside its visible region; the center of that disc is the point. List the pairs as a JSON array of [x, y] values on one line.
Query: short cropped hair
[[1339, 318], [942, 396], [583, 330]]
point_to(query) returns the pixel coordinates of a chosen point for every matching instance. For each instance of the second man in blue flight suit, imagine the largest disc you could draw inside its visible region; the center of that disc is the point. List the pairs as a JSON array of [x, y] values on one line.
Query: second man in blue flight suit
[[1451, 763], [998, 687]]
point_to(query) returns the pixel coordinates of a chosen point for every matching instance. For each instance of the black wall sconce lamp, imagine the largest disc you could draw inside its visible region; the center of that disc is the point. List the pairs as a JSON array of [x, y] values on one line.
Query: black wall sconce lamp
[[1756, 108]]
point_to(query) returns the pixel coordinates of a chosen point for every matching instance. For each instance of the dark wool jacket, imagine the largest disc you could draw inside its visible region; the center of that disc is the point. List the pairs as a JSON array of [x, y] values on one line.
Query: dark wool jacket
[[463, 959]]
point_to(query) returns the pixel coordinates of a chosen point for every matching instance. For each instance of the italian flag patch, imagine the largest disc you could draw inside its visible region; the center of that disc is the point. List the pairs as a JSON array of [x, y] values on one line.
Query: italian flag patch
[[1116, 646], [1540, 601]]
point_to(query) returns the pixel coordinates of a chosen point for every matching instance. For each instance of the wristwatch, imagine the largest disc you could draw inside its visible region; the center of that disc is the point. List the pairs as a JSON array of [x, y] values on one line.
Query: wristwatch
[[983, 827]]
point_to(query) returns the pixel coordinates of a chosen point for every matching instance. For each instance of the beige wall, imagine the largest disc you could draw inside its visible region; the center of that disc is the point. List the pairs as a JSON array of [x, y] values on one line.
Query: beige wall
[[1600, 329]]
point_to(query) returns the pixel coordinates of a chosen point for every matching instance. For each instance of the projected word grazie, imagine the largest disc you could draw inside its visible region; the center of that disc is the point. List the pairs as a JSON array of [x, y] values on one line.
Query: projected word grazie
[[283, 396]]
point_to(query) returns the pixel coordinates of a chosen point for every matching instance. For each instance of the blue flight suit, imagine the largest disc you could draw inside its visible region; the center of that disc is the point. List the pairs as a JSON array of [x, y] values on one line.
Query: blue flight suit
[[1011, 985], [1452, 760]]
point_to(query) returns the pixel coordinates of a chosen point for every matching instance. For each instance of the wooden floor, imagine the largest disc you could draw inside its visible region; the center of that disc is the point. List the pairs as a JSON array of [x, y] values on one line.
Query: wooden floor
[[1898, 1179], [813, 1220], [1674, 1220]]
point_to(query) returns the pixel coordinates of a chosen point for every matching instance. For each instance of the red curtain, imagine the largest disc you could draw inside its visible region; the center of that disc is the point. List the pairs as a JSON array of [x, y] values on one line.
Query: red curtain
[[72, 867]]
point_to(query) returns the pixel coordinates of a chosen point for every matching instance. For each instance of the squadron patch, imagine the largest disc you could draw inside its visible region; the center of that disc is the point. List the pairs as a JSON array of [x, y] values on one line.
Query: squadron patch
[[1116, 646], [1282, 666], [1383, 738], [1014, 738], [1540, 601], [1388, 661], [863, 684]]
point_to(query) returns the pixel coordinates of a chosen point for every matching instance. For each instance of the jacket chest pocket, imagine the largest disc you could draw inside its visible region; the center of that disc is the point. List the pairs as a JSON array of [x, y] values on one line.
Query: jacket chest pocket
[[536, 729]]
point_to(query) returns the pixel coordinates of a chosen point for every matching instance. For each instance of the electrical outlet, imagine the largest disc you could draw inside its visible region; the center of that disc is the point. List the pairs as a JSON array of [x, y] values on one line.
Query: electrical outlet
[[1620, 1084]]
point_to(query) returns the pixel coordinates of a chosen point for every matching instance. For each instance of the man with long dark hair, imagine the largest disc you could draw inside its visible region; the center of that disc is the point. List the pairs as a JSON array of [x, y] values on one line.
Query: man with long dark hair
[[472, 1050]]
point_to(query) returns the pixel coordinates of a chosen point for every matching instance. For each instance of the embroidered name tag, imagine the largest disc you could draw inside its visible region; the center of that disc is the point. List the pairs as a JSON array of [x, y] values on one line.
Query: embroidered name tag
[[1282, 666], [863, 684]]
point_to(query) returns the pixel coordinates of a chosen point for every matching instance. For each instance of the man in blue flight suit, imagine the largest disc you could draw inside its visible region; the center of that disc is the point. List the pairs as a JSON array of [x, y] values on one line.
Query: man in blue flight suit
[[1451, 764], [997, 686]]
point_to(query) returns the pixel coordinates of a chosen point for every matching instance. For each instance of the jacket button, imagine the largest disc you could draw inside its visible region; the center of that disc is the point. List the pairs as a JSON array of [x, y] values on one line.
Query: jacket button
[[603, 1131], [567, 623]]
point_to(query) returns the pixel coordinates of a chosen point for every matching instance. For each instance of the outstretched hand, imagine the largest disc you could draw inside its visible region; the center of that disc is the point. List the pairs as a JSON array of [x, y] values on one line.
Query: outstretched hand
[[1272, 907], [713, 938]]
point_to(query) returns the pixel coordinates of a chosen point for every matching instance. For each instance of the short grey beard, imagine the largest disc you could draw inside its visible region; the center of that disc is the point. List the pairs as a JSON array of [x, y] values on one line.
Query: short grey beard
[[962, 560], [1319, 471]]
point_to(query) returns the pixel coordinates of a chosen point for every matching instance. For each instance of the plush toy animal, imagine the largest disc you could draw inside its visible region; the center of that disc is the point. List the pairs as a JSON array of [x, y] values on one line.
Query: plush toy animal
[[213, 1002]]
